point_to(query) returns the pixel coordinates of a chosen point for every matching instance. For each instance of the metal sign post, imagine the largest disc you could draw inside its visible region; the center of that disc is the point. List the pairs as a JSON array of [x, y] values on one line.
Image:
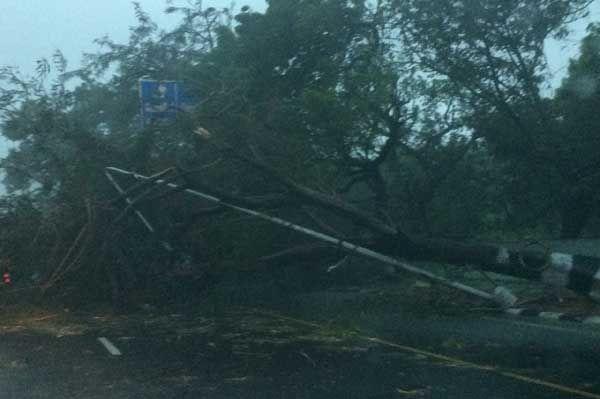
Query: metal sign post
[[345, 245]]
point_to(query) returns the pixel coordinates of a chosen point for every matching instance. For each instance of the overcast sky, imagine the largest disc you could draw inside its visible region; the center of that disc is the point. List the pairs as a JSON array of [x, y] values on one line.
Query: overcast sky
[[31, 29]]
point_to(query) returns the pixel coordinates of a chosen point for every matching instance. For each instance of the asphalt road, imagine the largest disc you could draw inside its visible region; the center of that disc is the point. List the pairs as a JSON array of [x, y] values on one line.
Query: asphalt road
[[250, 353]]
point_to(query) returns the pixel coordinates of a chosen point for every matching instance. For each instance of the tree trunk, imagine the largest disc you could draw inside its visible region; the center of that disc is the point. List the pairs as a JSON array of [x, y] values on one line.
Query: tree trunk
[[582, 274], [575, 213]]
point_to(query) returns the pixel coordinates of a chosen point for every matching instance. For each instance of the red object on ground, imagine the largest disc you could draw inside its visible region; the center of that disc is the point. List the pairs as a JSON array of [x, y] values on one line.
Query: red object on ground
[[6, 278]]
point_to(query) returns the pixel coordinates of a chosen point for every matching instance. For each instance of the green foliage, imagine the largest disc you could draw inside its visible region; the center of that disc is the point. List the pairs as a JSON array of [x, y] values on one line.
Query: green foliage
[[441, 132]]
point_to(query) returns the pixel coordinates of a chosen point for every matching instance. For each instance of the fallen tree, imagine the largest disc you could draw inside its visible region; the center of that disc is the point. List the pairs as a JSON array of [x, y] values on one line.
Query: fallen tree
[[578, 273]]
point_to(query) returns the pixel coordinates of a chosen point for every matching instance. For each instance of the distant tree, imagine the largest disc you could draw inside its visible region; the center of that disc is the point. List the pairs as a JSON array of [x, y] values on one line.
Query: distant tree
[[577, 140], [490, 54]]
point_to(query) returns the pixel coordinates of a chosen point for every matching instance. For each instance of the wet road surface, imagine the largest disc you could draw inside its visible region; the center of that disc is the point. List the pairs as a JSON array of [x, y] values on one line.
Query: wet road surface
[[258, 353]]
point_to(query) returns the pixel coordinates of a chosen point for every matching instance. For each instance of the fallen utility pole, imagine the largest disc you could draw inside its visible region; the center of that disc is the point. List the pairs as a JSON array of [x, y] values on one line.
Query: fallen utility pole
[[129, 201], [499, 298], [138, 213]]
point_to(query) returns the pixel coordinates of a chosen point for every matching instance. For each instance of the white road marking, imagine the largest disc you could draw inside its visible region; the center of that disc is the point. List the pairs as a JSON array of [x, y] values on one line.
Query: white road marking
[[113, 350]]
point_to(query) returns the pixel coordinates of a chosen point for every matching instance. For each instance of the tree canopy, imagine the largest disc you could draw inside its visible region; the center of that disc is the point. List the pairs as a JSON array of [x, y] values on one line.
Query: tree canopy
[[395, 118]]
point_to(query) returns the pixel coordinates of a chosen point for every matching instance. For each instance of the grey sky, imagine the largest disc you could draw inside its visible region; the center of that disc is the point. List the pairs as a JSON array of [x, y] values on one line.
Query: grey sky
[[31, 29]]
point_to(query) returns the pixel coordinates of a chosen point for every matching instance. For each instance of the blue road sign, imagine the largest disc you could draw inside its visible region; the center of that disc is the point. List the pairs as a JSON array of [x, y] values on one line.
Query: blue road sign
[[162, 100]]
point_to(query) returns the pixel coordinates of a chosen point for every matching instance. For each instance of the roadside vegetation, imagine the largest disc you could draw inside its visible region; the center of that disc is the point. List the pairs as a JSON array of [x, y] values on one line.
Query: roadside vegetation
[[389, 124]]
